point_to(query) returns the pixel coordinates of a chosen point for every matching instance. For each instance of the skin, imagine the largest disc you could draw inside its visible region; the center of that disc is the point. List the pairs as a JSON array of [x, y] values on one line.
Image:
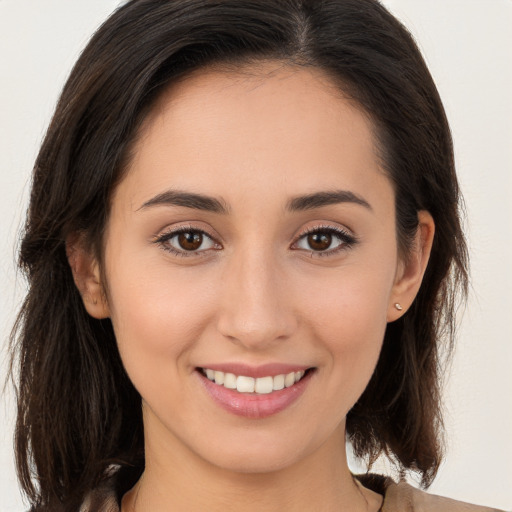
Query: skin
[[255, 291]]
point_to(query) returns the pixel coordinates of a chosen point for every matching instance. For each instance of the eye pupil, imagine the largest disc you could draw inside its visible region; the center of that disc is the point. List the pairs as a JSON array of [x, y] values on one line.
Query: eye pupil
[[190, 241], [319, 241]]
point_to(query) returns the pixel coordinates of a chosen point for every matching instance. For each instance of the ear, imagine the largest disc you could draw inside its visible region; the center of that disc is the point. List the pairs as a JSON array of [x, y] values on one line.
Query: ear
[[410, 272], [87, 277]]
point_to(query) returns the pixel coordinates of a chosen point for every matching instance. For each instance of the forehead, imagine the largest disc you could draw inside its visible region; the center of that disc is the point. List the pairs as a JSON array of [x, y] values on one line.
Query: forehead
[[248, 83], [251, 127]]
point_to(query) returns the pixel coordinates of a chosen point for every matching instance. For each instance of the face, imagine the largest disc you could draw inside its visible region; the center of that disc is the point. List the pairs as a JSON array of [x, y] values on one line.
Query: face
[[251, 242]]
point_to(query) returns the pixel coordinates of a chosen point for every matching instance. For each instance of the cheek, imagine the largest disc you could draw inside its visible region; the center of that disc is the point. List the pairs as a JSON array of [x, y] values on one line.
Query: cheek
[[348, 316], [348, 302], [157, 315]]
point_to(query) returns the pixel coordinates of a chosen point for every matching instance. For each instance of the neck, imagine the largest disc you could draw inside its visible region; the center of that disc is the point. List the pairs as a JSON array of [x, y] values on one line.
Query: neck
[[179, 480]]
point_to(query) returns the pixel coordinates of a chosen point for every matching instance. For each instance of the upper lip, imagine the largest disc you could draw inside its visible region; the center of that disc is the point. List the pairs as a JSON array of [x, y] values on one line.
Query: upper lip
[[264, 370]]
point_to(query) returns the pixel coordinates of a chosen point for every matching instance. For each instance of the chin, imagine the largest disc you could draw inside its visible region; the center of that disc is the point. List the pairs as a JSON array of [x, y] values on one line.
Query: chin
[[260, 452], [253, 461]]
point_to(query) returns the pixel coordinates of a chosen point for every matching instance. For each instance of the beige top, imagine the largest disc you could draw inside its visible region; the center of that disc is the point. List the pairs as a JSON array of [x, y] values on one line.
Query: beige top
[[403, 497], [400, 497]]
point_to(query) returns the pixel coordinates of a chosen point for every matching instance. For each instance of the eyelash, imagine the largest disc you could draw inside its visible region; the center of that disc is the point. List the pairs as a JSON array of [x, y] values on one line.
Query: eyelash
[[347, 240]]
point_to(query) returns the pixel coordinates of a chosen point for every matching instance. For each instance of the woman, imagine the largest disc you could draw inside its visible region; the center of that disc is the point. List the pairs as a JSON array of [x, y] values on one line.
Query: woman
[[243, 244]]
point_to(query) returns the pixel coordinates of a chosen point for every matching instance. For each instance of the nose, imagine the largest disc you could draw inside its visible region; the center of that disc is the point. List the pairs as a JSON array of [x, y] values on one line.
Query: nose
[[256, 309]]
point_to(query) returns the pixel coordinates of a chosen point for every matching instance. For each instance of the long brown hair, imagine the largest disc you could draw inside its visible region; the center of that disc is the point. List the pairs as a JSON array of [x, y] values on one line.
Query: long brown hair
[[77, 410]]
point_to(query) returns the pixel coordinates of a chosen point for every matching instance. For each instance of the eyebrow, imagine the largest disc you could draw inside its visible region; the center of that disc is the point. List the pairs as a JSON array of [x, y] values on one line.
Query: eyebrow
[[188, 200], [212, 204], [319, 199]]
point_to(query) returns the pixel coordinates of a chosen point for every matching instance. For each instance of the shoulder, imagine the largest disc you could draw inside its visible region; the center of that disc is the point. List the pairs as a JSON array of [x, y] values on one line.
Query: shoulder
[[403, 497], [400, 497]]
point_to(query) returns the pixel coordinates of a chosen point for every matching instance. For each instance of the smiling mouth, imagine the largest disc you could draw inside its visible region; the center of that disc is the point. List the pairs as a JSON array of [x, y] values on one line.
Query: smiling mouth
[[252, 385]]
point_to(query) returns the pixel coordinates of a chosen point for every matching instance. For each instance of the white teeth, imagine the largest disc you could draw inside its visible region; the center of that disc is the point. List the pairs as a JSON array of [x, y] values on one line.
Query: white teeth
[[230, 381], [264, 385], [278, 382], [260, 385], [245, 384], [289, 380]]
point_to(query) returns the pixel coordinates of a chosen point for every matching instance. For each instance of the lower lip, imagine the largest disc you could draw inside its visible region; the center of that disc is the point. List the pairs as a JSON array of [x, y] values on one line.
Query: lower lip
[[251, 405]]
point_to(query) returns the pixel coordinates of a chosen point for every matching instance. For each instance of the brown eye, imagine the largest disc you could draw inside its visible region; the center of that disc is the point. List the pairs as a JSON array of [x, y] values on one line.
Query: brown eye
[[190, 240], [325, 241], [319, 241], [187, 242]]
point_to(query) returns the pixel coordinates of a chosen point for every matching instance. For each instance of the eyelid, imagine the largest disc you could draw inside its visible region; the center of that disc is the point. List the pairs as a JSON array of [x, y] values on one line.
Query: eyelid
[[184, 227]]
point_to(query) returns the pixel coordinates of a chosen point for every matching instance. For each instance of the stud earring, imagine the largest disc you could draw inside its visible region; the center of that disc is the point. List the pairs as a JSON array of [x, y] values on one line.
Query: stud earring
[[398, 306]]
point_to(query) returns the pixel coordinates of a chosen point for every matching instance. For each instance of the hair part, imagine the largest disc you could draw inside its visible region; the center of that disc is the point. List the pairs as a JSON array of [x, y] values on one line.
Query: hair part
[[78, 412]]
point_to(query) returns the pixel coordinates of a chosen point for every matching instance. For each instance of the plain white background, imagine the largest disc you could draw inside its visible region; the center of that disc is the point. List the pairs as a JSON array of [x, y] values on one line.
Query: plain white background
[[468, 46]]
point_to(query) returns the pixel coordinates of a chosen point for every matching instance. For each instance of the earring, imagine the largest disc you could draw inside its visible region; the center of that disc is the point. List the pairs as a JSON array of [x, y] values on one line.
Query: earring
[[398, 306]]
